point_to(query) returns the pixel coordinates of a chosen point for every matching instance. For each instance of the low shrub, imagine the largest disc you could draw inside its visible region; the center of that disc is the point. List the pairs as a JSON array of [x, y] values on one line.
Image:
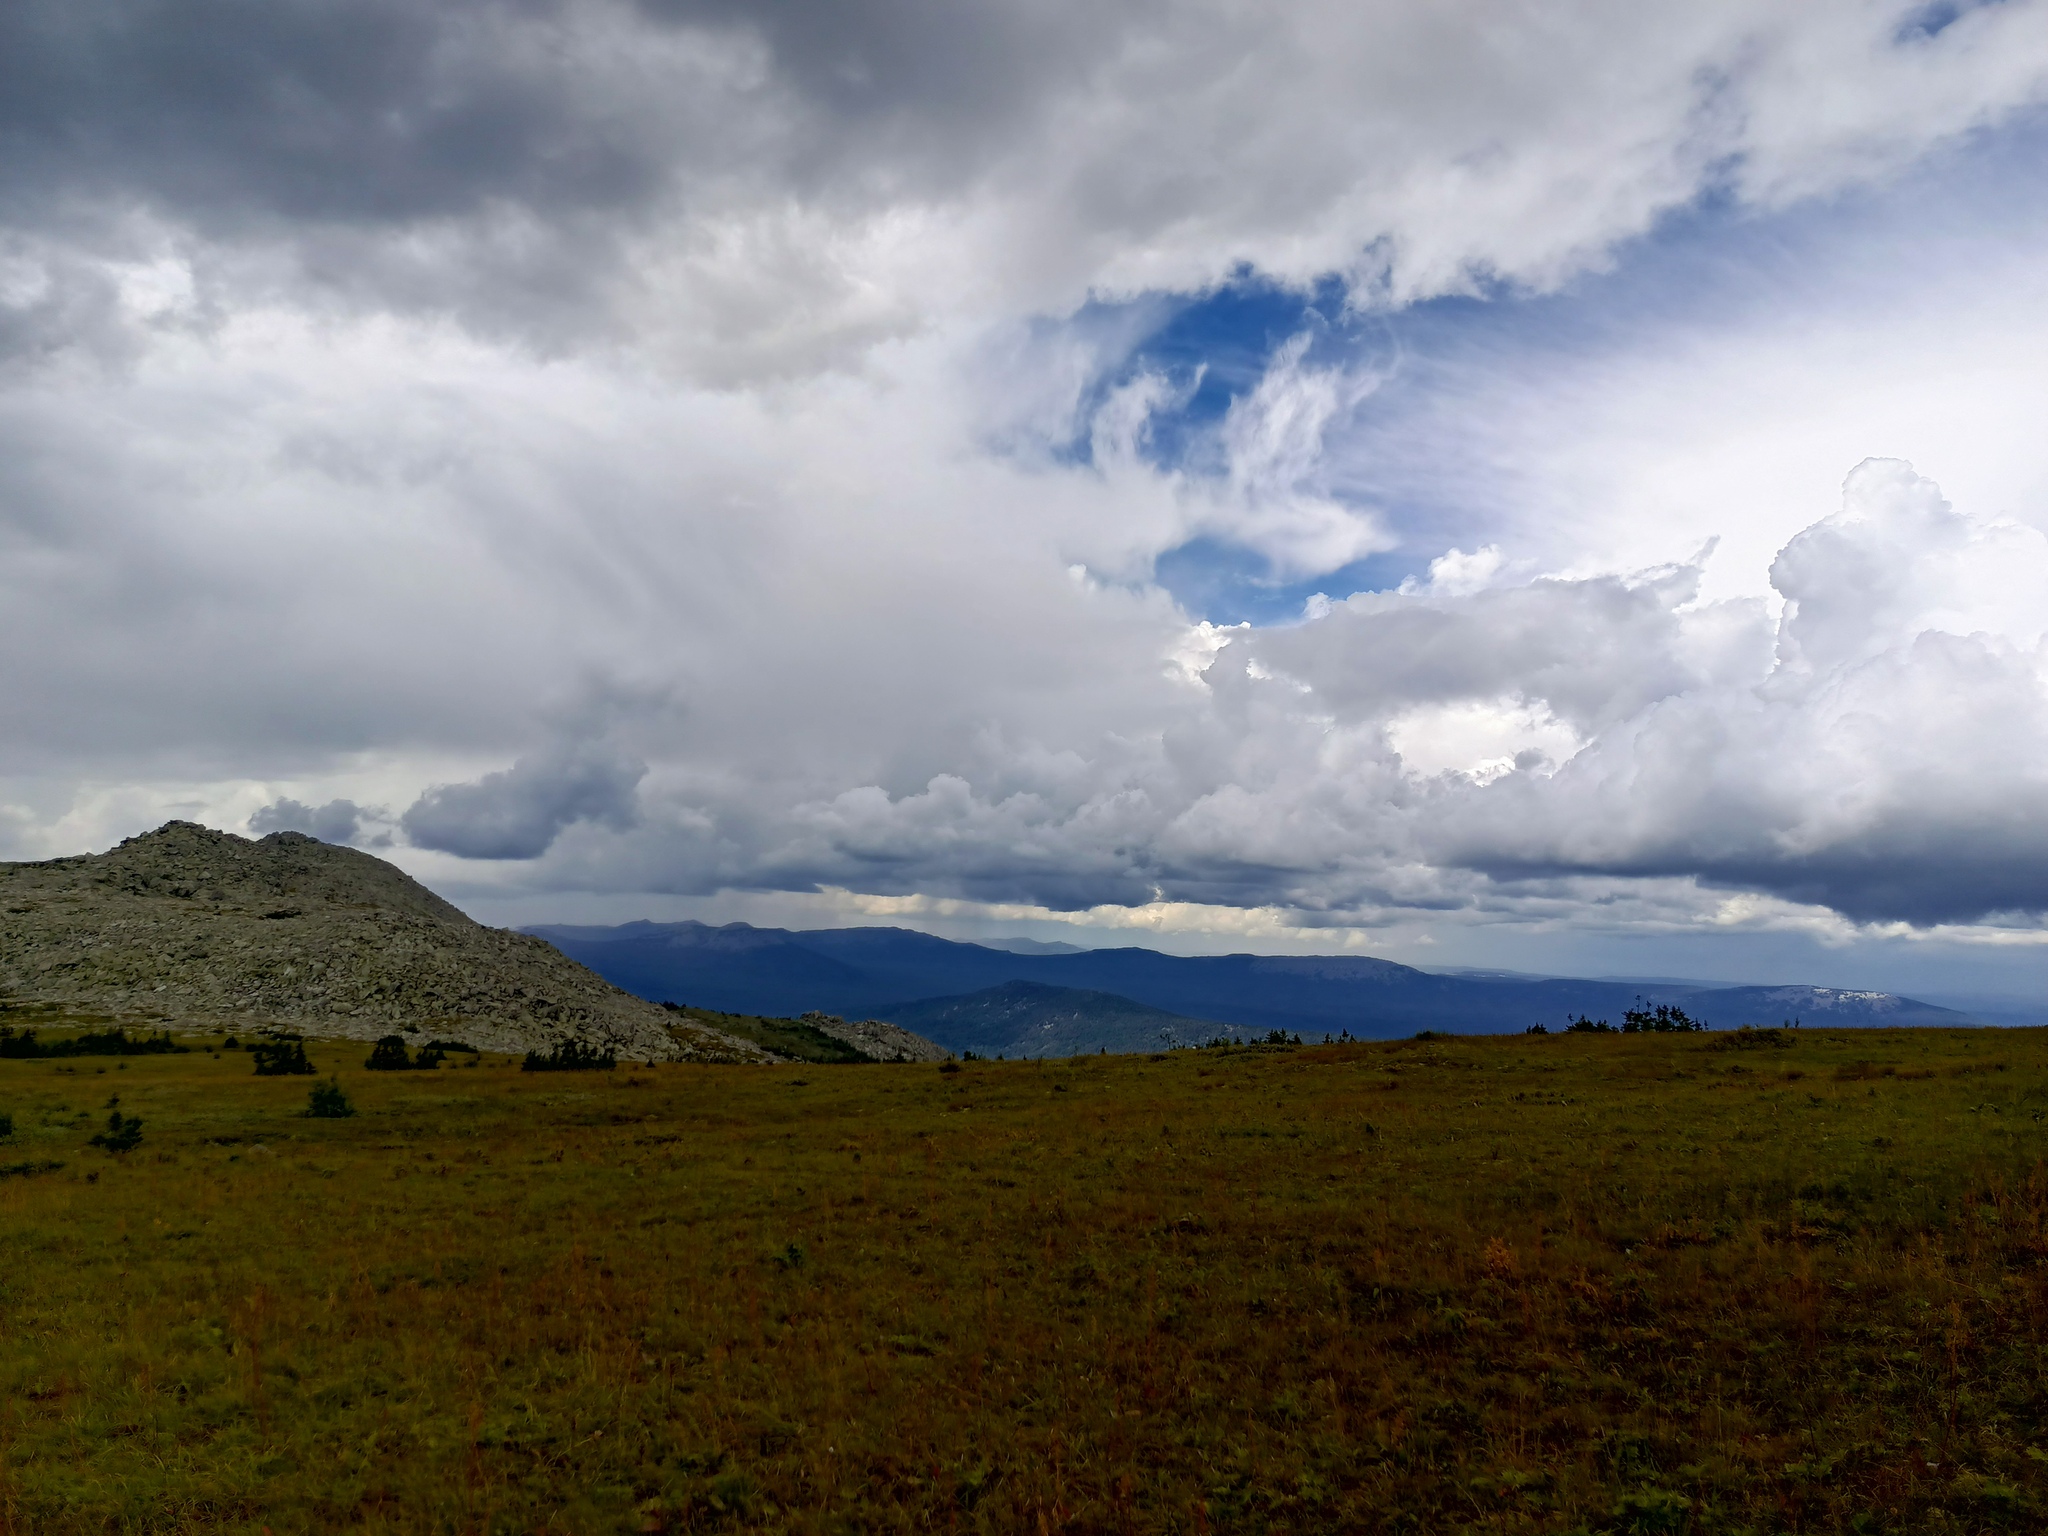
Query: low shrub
[[1748, 1039], [6, 1126], [123, 1133], [328, 1102]]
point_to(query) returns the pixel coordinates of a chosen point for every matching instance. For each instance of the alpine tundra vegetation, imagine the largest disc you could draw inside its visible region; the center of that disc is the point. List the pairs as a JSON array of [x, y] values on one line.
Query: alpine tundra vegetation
[[1721, 1282]]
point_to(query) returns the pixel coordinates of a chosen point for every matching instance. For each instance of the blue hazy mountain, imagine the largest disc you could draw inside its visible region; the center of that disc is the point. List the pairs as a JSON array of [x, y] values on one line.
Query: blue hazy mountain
[[897, 974]]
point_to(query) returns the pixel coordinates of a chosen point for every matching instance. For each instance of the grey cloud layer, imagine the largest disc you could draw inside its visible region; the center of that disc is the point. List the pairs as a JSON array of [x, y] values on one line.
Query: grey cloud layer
[[752, 191], [518, 813], [338, 821]]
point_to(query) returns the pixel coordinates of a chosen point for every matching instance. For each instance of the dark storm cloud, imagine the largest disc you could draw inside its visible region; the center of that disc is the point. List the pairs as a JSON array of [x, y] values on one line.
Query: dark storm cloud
[[372, 111], [1924, 871], [793, 176], [497, 159], [378, 112], [939, 84], [338, 821], [490, 161], [518, 813]]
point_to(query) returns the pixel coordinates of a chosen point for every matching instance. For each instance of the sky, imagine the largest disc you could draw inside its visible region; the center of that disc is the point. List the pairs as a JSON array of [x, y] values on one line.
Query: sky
[[1553, 487]]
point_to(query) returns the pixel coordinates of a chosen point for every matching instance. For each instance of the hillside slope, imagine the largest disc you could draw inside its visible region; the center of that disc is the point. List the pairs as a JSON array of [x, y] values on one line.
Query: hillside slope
[[189, 926]]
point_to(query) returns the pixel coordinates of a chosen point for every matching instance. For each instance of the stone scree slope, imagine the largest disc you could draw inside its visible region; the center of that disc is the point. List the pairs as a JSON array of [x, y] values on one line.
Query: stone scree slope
[[189, 927], [876, 1040]]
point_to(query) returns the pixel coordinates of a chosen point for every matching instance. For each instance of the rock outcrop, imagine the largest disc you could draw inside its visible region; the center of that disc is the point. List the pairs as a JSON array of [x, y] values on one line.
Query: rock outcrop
[[187, 927]]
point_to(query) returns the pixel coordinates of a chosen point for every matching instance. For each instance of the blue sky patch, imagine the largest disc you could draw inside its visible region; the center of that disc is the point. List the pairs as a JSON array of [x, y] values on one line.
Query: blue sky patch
[[1227, 584]]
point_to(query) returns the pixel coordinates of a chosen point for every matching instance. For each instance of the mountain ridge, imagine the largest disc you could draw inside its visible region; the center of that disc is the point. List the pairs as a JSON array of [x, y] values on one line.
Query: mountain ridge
[[872, 970]]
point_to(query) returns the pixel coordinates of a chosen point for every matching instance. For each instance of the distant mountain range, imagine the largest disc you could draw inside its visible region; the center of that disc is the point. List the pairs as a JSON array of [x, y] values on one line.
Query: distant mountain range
[[996, 1001], [1029, 1018]]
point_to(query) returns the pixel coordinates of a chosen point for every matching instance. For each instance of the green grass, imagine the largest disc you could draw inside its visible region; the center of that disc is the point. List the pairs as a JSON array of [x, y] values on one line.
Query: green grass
[[1500, 1285]]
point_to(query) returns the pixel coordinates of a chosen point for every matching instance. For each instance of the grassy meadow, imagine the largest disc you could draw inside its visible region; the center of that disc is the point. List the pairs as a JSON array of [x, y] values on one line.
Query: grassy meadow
[[1643, 1284]]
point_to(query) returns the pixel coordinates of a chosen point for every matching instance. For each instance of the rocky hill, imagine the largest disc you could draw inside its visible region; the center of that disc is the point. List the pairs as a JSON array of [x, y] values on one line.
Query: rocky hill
[[189, 927], [878, 1041]]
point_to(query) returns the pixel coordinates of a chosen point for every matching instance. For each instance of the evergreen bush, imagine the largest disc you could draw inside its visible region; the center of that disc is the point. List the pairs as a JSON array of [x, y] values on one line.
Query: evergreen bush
[[389, 1055], [570, 1056], [1664, 1019], [281, 1058]]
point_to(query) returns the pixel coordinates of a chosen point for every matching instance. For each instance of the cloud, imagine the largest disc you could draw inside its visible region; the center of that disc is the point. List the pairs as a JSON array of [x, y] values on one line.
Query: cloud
[[1886, 765], [1269, 499], [895, 687], [519, 812], [1596, 650], [752, 192], [1513, 751], [338, 821]]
